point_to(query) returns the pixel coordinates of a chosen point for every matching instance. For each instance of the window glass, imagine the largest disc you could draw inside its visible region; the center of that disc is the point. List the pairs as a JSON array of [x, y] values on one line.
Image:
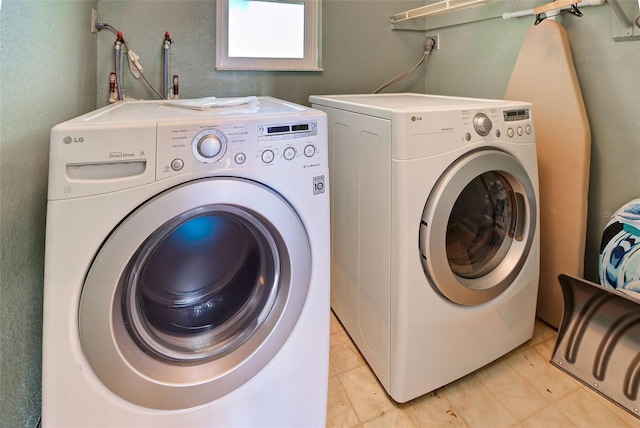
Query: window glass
[[265, 29], [268, 35]]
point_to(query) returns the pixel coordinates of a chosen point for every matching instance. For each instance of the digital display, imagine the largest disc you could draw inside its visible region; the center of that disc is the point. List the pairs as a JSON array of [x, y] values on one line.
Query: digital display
[[516, 115], [277, 129], [281, 131]]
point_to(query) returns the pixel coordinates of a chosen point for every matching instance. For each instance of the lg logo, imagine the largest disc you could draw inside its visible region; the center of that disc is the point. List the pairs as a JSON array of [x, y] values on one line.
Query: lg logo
[[416, 118], [69, 140]]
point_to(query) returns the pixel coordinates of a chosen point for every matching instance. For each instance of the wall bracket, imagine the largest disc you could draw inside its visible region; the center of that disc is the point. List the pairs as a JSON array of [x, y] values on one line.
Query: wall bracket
[[624, 20]]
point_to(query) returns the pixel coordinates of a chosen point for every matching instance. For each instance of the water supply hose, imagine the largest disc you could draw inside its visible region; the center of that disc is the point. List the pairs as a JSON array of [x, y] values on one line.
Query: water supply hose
[[165, 65], [429, 46], [118, 61]]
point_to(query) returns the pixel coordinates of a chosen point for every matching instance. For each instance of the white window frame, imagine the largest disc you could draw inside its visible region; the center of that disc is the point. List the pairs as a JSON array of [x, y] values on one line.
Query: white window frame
[[310, 62]]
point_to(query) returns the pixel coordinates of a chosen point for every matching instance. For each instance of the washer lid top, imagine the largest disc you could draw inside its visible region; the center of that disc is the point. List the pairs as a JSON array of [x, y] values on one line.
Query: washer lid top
[[383, 105], [135, 112]]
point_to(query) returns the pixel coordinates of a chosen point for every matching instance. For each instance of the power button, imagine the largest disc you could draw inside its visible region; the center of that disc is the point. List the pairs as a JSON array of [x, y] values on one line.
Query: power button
[[177, 164]]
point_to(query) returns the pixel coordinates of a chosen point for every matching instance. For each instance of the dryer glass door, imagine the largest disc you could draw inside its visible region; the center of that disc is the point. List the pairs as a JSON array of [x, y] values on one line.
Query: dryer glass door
[[478, 226], [481, 226], [194, 292]]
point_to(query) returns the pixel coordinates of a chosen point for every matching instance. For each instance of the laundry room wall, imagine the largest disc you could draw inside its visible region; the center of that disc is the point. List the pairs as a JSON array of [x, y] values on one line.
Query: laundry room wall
[[47, 69], [359, 51], [476, 59], [52, 69]]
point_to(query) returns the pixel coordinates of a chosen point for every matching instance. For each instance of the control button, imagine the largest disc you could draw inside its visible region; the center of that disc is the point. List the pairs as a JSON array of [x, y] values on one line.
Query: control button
[[267, 156], [209, 145], [482, 124], [310, 150], [240, 158], [177, 164], [520, 131], [527, 129], [467, 136], [498, 133], [289, 153], [510, 132]]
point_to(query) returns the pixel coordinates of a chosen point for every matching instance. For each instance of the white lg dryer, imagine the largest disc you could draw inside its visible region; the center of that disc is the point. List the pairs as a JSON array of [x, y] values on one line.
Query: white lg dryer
[[434, 226], [187, 266]]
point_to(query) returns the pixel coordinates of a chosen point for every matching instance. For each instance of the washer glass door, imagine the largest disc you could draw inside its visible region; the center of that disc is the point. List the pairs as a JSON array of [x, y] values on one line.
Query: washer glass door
[[194, 292], [477, 227], [201, 284]]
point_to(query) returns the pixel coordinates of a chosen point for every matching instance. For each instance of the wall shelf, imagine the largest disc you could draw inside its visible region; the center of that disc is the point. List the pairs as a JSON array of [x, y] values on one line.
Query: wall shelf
[[438, 8], [446, 13], [437, 15]]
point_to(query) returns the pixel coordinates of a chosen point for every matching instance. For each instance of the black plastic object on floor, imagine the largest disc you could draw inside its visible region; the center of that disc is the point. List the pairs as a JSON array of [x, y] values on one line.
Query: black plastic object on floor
[[599, 340]]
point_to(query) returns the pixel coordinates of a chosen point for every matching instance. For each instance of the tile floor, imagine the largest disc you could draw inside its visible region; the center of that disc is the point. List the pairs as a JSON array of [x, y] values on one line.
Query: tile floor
[[520, 389]]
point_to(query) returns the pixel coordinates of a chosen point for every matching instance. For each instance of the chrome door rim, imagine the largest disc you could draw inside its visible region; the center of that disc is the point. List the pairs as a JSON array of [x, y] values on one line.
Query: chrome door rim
[[435, 218], [145, 380]]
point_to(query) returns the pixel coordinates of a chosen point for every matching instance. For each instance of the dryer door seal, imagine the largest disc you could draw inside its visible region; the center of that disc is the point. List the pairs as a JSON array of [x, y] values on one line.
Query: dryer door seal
[[194, 293], [477, 227]]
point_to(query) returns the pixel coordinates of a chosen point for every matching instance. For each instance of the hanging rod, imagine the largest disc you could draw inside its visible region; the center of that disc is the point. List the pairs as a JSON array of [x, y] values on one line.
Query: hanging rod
[[558, 5], [572, 6], [554, 5], [438, 8]]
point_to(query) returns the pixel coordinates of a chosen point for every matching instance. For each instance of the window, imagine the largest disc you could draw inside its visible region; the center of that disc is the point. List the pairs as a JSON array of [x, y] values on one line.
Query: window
[[268, 35]]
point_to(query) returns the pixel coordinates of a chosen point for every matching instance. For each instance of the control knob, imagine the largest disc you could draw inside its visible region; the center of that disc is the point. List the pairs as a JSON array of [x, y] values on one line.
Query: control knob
[[482, 124], [209, 145]]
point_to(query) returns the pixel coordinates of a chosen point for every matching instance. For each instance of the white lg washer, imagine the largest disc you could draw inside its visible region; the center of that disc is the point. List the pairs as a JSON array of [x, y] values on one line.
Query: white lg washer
[[435, 243], [187, 267]]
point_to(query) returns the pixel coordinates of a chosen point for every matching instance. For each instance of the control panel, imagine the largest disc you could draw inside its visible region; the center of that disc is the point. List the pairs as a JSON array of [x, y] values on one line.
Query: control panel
[[229, 145], [432, 132], [518, 122], [494, 123]]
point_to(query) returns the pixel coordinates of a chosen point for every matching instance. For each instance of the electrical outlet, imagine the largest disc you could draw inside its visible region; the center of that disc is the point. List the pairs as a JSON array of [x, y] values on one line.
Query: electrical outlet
[[94, 19], [436, 39]]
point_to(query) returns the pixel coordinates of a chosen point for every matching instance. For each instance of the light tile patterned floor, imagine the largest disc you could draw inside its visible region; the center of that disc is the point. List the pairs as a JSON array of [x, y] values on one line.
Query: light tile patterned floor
[[520, 389]]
